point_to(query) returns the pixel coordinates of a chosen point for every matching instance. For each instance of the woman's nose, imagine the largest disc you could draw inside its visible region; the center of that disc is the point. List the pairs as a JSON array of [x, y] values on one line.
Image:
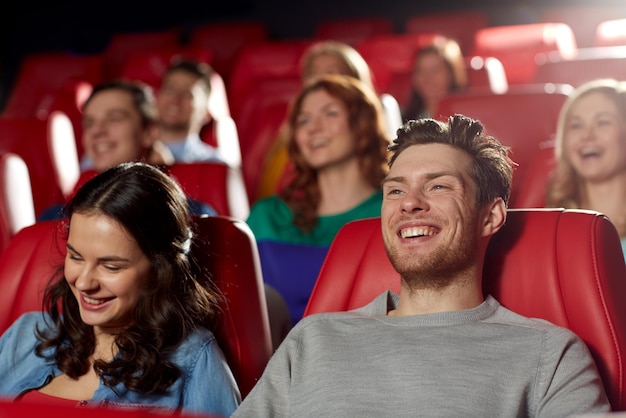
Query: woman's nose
[[86, 279]]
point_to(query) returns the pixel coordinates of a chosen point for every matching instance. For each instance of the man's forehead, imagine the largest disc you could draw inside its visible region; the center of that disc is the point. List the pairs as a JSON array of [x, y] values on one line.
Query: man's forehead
[[434, 156]]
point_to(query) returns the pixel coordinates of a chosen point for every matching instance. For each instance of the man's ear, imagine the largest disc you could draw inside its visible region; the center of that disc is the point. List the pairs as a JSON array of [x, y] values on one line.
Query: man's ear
[[494, 216]]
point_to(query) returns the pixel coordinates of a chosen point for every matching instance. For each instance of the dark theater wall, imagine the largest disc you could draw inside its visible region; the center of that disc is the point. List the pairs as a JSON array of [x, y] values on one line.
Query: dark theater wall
[[86, 26]]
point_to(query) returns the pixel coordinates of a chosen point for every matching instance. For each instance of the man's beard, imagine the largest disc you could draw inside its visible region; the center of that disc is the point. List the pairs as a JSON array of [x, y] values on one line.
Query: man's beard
[[439, 269]]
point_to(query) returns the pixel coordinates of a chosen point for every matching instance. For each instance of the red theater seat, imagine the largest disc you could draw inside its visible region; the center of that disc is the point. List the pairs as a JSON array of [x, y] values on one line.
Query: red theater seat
[[225, 40], [214, 183], [257, 63], [229, 251], [352, 30], [458, 25], [42, 76], [611, 33], [522, 119], [565, 266], [517, 45], [261, 116], [121, 46], [390, 57], [17, 210], [149, 65], [583, 19], [532, 193], [49, 150], [589, 64]]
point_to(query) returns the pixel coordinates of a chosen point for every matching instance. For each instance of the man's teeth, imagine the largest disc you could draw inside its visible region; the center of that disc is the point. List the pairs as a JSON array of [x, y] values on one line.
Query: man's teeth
[[417, 231], [93, 301]]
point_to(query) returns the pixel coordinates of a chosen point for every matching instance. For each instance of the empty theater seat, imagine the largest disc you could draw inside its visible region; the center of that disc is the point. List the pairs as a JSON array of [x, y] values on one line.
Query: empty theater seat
[[16, 198], [259, 62], [226, 39], [589, 64], [516, 46], [582, 18], [41, 76], [565, 266], [352, 30], [460, 25], [49, 149]]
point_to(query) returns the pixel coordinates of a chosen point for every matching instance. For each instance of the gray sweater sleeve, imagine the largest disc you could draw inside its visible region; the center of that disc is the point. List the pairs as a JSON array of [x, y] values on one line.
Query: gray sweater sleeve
[[270, 396], [568, 382]]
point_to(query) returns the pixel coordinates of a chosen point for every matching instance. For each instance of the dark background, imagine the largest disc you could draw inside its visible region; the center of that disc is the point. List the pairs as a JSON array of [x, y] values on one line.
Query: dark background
[[86, 26]]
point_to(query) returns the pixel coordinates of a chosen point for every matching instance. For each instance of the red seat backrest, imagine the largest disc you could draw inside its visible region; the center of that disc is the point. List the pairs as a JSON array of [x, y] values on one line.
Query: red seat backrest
[[42, 76], [532, 193], [149, 65], [32, 139], [459, 25], [27, 409], [69, 99], [589, 64], [228, 250], [391, 55], [582, 18], [216, 184], [352, 30], [225, 40], [261, 61], [262, 113], [565, 266], [517, 45], [507, 117], [610, 33], [17, 210], [123, 45]]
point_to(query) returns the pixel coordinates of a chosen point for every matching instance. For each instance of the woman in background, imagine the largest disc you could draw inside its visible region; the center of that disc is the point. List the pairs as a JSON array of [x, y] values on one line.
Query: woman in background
[[590, 152], [322, 58], [439, 70], [338, 147]]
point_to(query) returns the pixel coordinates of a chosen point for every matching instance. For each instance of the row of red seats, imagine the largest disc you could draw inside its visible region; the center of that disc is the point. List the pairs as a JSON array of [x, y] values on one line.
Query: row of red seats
[[266, 77], [584, 296]]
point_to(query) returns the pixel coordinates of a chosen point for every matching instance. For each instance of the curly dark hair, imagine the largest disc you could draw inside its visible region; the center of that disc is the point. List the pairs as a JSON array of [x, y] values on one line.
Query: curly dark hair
[[367, 124], [179, 298], [492, 168]]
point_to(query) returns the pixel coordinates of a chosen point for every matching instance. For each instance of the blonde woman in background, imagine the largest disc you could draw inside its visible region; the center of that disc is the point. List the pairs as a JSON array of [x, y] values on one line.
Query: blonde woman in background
[[591, 152]]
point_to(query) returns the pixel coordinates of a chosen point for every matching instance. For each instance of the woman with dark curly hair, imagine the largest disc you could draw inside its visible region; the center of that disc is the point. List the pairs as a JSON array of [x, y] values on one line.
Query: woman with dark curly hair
[[126, 317], [338, 145]]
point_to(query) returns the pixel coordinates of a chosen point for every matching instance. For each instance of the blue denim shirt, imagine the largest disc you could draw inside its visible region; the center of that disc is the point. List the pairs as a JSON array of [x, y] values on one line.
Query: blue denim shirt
[[192, 149], [206, 385]]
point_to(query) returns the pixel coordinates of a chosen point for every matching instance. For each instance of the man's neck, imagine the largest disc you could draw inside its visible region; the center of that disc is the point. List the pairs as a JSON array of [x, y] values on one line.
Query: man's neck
[[456, 297], [174, 135]]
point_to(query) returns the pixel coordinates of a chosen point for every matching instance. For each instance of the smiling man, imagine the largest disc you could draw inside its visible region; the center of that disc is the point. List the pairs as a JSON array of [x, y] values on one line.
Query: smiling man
[[440, 347]]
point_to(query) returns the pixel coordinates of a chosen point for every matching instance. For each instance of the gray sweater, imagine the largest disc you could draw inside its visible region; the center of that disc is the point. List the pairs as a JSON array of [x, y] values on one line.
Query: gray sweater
[[482, 362]]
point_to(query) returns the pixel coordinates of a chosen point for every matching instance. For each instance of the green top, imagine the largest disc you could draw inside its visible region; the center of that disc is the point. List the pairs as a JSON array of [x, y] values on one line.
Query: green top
[[271, 220]]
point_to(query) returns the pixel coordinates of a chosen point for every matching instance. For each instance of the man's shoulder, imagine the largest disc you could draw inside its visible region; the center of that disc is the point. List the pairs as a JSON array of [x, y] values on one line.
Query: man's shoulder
[[377, 307], [506, 316]]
